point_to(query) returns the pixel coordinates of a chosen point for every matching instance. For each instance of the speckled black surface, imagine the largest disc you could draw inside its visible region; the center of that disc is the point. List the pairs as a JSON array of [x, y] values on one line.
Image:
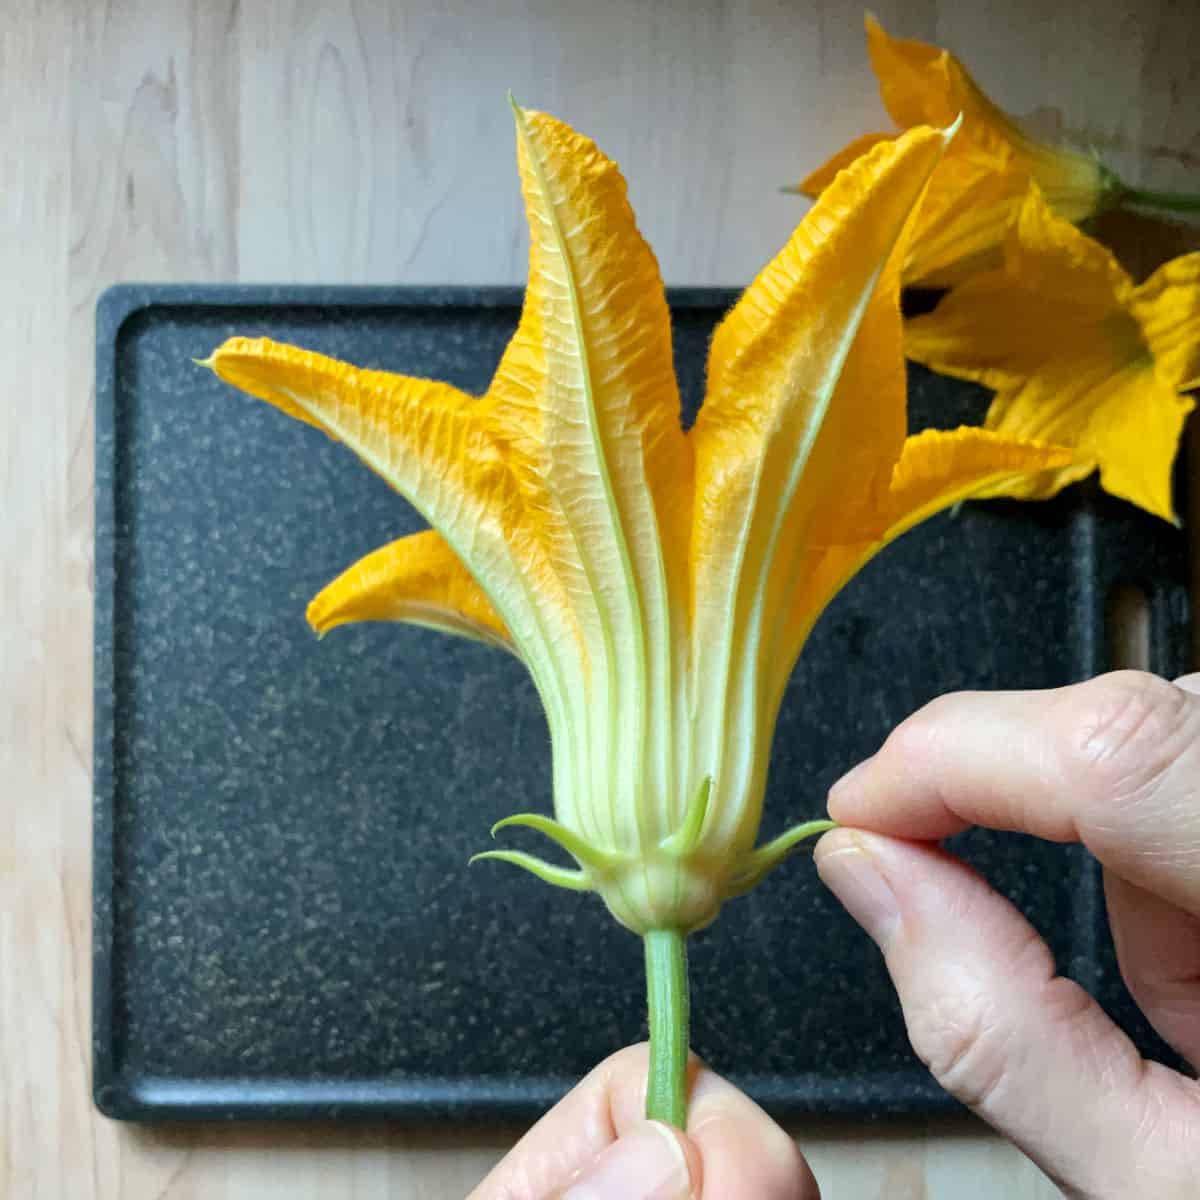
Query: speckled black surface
[[285, 923]]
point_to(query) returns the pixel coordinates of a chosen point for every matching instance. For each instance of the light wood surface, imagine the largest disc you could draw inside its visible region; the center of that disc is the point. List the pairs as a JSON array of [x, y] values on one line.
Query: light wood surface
[[357, 141]]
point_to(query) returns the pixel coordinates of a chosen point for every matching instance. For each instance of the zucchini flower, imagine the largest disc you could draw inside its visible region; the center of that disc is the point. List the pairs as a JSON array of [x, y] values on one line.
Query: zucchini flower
[[657, 583], [980, 184], [1077, 354]]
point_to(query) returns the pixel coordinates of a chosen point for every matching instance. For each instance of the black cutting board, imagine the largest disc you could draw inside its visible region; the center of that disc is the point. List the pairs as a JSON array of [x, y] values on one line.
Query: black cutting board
[[285, 924]]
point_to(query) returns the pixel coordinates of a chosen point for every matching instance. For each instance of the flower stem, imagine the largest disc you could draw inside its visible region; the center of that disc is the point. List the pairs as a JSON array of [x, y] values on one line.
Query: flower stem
[[667, 1000], [1167, 201]]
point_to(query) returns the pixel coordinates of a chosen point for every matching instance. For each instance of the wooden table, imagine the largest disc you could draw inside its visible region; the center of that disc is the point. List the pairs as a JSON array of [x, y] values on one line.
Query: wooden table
[[358, 141]]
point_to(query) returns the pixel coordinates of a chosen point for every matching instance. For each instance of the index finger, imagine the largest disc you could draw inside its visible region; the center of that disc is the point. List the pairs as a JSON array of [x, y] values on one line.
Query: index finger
[[1113, 763]]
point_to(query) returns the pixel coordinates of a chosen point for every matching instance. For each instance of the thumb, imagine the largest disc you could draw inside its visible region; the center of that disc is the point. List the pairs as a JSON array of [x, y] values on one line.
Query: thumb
[[649, 1161], [1028, 1050], [595, 1144]]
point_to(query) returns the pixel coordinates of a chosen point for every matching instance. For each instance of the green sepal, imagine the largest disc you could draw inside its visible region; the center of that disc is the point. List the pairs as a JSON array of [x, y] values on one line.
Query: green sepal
[[574, 881], [758, 863], [584, 853], [686, 838]]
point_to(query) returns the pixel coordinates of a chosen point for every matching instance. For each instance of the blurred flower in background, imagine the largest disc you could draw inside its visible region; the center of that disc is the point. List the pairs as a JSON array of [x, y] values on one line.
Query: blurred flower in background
[[982, 181], [1077, 354]]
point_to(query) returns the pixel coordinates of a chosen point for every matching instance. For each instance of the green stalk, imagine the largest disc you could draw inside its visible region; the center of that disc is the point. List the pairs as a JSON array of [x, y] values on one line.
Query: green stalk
[[667, 1000], [1182, 202]]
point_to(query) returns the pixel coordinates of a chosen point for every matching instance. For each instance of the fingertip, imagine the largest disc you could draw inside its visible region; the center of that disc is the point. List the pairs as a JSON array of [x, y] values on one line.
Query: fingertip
[[844, 797], [743, 1153], [1189, 683], [850, 869], [887, 793], [624, 1085]]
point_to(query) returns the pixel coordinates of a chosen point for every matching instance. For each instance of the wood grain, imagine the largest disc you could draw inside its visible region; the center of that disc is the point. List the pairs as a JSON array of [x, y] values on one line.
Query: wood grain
[[362, 141]]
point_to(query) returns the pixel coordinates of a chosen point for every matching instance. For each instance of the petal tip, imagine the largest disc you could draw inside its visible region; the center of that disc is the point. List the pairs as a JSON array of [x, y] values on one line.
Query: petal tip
[[319, 616], [520, 114]]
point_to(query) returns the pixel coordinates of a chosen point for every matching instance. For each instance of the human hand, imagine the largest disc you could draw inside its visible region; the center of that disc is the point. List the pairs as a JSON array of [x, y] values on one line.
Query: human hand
[[596, 1145], [1115, 764]]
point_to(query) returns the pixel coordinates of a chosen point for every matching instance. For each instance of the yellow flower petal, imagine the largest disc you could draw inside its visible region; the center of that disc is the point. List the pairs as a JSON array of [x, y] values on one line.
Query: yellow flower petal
[[1056, 298], [821, 572], [1167, 306], [816, 182], [416, 579], [777, 358], [939, 468], [1053, 334], [1059, 296], [863, 431], [925, 85], [982, 179], [586, 390], [586, 394], [1121, 417], [429, 442], [961, 225], [1045, 253], [833, 536], [774, 369], [935, 469]]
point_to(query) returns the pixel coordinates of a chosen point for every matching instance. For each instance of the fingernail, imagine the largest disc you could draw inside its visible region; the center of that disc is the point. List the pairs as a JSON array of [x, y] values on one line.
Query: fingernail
[[852, 874], [648, 1163]]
